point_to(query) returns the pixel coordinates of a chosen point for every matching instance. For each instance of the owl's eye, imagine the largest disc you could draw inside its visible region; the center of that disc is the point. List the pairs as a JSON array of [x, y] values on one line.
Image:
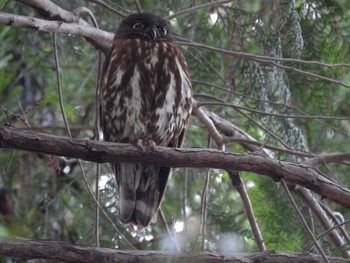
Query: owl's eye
[[163, 30], [138, 26]]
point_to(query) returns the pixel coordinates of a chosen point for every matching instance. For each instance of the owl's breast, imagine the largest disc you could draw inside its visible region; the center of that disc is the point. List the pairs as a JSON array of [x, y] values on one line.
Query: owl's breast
[[150, 89]]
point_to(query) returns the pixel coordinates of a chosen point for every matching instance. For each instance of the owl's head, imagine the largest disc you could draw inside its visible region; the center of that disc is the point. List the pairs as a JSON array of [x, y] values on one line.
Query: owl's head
[[144, 25]]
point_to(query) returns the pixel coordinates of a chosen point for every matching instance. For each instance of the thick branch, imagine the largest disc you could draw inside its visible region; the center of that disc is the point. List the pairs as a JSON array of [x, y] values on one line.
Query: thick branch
[[99, 38], [52, 11], [104, 152], [45, 249]]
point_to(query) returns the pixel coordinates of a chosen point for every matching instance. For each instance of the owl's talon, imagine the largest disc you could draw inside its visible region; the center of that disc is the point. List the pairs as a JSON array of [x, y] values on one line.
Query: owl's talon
[[152, 144], [140, 145]]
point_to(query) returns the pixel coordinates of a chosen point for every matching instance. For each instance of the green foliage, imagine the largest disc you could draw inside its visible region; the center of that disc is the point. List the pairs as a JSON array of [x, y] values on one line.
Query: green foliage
[[275, 215], [48, 195]]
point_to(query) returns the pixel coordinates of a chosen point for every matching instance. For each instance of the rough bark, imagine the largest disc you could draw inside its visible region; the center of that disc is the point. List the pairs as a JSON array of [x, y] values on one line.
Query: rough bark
[[104, 152], [99, 38]]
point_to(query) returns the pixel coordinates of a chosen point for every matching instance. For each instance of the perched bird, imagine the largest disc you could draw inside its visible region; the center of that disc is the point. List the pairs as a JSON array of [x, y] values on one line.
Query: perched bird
[[146, 99]]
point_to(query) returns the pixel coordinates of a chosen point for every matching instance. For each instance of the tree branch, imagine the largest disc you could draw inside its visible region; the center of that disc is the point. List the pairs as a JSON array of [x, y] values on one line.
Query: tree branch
[[198, 7], [247, 141], [61, 251], [52, 11], [330, 158], [102, 40], [241, 189], [99, 38], [104, 152], [322, 217]]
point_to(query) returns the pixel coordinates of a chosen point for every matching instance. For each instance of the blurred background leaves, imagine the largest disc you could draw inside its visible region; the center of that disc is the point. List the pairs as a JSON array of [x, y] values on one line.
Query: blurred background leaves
[[52, 202]]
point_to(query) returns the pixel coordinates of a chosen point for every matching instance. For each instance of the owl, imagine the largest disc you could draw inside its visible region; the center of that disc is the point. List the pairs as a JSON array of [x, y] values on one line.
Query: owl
[[146, 100]]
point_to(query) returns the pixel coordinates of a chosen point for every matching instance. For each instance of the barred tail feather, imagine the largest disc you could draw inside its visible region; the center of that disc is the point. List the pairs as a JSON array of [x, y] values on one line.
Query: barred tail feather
[[127, 180], [141, 189]]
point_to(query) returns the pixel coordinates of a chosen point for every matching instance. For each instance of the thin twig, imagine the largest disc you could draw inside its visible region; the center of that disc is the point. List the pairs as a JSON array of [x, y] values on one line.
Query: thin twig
[[101, 208], [258, 58], [138, 5], [264, 129], [270, 60], [222, 103], [80, 12], [218, 138], [302, 219], [22, 114], [167, 229], [309, 246], [204, 202], [310, 74], [58, 82], [221, 139], [202, 59], [273, 103], [97, 209], [330, 158], [70, 135], [198, 7], [320, 214], [335, 219], [6, 169], [268, 146], [240, 187], [184, 196], [4, 5], [109, 5]]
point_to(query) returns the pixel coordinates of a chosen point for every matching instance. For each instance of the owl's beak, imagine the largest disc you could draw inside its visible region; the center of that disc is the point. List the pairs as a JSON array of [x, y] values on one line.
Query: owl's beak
[[152, 33]]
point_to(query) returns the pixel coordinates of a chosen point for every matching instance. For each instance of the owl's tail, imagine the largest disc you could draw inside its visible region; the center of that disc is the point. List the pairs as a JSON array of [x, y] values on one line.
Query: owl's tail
[[141, 190]]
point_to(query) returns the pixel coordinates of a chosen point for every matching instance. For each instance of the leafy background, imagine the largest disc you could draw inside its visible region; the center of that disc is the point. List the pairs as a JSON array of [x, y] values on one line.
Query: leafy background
[[55, 204]]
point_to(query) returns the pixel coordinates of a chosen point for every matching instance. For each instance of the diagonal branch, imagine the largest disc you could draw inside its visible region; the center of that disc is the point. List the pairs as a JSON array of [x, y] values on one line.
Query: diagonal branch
[[99, 38], [198, 7], [229, 129], [241, 189], [52, 11]]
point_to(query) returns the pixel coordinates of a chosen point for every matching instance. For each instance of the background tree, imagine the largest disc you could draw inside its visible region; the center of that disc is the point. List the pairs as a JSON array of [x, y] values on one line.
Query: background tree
[[277, 70]]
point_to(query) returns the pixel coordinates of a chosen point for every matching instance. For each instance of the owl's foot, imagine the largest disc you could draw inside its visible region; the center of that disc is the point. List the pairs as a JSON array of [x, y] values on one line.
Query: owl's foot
[[143, 145], [140, 144], [152, 144]]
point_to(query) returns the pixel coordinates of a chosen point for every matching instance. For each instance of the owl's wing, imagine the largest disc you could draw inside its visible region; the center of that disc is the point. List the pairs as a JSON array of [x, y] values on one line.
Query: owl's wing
[[103, 82]]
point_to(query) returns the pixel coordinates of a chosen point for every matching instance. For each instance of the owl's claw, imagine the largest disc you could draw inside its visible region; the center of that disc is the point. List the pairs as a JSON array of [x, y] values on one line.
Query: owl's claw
[[152, 144], [143, 145], [140, 145]]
